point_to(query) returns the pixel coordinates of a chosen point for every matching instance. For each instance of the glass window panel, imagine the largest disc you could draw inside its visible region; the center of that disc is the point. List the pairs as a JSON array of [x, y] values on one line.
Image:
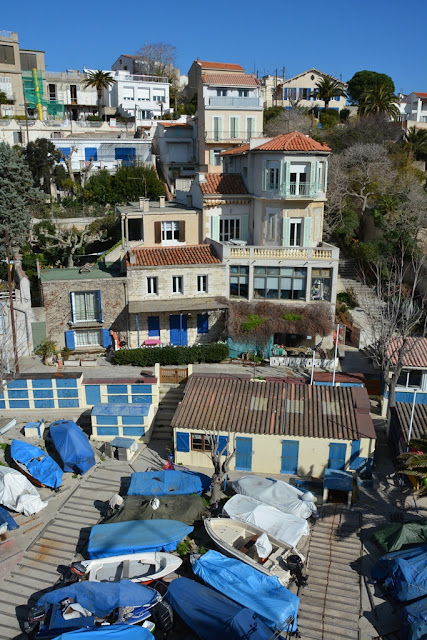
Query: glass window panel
[[415, 378], [234, 269], [259, 283], [196, 441], [273, 271], [299, 284], [300, 271], [272, 283], [259, 270], [244, 269], [286, 271], [244, 290]]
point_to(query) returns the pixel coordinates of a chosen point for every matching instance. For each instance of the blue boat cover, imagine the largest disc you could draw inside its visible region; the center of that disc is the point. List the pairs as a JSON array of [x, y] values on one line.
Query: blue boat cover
[[271, 601], [338, 480], [122, 631], [413, 625], [164, 483], [134, 536], [100, 598], [403, 573], [39, 464], [5, 517], [211, 615], [72, 446]]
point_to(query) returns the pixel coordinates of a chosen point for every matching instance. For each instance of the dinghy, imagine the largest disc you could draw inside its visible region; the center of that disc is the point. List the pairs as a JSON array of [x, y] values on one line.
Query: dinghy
[[36, 464], [239, 540], [138, 567]]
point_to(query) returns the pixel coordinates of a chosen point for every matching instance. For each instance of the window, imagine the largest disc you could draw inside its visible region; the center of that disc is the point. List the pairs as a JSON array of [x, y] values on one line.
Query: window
[[200, 442], [321, 284], [410, 379], [250, 127], [217, 128], [295, 231], [271, 227], [216, 159], [221, 93], [286, 283], [86, 306], [239, 281], [89, 338], [177, 284], [234, 127], [229, 229], [28, 61], [243, 93], [202, 284], [170, 230], [6, 54], [152, 286], [299, 185], [73, 93], [273, 175], [52, 92]]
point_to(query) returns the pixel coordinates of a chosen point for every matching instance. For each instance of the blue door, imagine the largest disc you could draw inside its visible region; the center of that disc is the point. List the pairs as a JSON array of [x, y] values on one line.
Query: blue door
[[337, 456], [290, 450], [244, 454], [178, 329], [153, 326]]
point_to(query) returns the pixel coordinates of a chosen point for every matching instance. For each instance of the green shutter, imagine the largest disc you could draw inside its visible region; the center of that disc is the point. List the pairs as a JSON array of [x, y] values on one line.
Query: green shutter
[[211, 157], [287, 178], [307, 227], [244, 226], [264, 175], [286, 232], [325, 179], [215, 228], [282, 173]]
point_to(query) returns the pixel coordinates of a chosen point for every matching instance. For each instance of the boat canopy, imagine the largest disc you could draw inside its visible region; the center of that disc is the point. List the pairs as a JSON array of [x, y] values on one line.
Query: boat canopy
[[397, 536], [38, 463], [277, 493], [120, 538], [413, 622], [403, 573], [265, 595], [286, 527], [164, 483], [110, 632], [72, 446], [186, 509], [211, 615], [18, 494]]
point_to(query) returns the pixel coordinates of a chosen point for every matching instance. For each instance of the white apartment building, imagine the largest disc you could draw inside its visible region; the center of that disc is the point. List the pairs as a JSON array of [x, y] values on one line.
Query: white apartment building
[[413, 110]]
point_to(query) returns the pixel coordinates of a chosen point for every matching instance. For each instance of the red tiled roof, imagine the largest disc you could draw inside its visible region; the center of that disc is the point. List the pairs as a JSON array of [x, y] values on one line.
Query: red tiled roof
[[294, 141], [244, 148], [223, 184], [421, 95], [228, 79], [172, 256], [415, 352], [175, 124], [226, 66], [271, 408]]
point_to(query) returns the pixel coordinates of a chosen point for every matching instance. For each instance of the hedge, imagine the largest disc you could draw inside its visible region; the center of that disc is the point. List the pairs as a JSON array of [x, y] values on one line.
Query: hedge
[[148, 356]]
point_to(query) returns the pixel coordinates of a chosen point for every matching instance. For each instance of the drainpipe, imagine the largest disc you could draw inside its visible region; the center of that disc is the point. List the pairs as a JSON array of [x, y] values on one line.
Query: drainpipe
[[412, 419]]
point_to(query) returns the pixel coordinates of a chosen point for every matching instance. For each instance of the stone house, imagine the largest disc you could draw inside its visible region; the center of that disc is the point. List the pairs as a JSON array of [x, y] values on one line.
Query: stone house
[[297, 91]]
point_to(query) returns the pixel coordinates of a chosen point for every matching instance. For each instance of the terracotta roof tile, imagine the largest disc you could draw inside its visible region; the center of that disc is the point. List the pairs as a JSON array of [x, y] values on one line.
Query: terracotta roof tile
[[416, 353], [421, 95], [243, 148], [175, 124], [228, 79], [223, 184], [294, 141], [171, 256], [226, 66]]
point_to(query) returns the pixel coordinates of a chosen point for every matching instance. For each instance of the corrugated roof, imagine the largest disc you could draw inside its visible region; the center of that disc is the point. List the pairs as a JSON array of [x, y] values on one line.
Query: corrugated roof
[[247, 406], [188, 254], [228, 79], [419, 425], [226, 66], [294, 141], [223, 184], [416, 352]]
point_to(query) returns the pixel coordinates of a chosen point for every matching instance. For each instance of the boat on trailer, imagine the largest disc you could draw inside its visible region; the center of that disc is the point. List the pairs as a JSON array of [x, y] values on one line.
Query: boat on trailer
[[138, 567]]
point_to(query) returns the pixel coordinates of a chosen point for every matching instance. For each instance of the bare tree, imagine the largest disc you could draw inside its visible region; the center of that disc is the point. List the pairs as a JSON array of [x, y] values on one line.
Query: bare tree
[[50, 236], [295, 119], [221, 459], [158, 58], [68, 161]]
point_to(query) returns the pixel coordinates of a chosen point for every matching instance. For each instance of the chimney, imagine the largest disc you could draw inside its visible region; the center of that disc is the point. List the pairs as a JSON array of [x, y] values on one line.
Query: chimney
[[144, 204], [132, 258], [162, 201]]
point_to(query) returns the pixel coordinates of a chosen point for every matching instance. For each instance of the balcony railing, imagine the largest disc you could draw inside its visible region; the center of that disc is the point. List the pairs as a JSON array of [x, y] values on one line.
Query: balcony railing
[[323, 252], [231, 136], [299, 190], [236, 103]]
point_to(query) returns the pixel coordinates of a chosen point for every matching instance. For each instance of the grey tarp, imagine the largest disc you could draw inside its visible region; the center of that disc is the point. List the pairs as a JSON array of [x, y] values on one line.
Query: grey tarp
[[186, 509], [394, 537]]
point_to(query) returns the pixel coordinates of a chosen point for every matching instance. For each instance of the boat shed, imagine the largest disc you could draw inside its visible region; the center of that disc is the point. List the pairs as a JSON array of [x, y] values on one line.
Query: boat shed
[[276, 427]]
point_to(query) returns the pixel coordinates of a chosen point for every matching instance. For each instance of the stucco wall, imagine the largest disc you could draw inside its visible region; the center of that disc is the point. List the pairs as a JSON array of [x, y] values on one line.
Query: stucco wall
[[193, 234]]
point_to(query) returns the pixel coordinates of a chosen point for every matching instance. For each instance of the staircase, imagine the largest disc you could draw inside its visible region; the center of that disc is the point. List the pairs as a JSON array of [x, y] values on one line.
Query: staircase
[[347, 269], [170, 396]]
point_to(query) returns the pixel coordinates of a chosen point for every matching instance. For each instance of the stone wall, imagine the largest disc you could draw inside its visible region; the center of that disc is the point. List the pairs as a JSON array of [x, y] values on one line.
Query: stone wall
[[137, 279], [137, 336]]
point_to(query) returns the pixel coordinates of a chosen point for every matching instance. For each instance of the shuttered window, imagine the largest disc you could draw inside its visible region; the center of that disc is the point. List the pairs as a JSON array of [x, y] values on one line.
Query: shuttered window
[[182, 441]]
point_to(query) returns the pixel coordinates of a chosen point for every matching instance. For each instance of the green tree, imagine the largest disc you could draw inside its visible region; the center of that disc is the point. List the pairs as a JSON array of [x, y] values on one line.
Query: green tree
[[414, 463], [18, 200], [272, 112], [329, 118], [132, 182], [416, 143], [364, 81], [379, 99], [99, 188], [101, 80], [328, 88], [41, 156]]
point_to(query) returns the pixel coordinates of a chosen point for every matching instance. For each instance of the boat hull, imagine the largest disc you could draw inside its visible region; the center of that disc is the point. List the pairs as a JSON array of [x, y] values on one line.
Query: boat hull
[[138, 567]]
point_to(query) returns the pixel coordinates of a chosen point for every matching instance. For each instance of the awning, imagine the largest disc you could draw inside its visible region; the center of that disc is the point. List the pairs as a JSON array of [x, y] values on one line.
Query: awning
[[178, 304]]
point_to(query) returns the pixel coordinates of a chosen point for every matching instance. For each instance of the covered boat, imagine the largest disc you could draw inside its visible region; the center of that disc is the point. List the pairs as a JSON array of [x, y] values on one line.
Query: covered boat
[[122, 538], [211, 615], [114, 632], [286, 527], [72, 446], [186, 509], [278, 494], [165, 483], [403, 574], [36, 464], [413, 621], [265, 595], [394, 537], [138, 567], [18, 494]]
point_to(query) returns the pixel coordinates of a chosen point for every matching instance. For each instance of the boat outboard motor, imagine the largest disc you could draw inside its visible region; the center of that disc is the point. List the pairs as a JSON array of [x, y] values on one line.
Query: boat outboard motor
[[295, 566], [78, 568], [35, 617]]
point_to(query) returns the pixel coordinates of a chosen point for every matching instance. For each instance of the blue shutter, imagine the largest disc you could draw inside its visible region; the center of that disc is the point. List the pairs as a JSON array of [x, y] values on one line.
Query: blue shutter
[[126, 154], [73, 317], [222, 441], [202, 323], [308, 94], [106, 338], [286, 93], [355, 460], [99, 306], [70, 341], [286, 232], [337, 453], [91, 153], [290, 449], [66, 151], [243, 454], [244, 227], [294, 93], [182, 441], [301, 92], [153, 326]]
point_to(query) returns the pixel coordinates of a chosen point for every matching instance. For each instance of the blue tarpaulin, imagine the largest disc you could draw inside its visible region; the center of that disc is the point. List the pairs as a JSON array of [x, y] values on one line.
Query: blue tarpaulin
[[403, 573], [213, 616], [6, 517], [413, 625], [338, 480], [164, 483], [122, 631], [38, 463], [72, 446], [119, 538], [265, 595], [100, 598]]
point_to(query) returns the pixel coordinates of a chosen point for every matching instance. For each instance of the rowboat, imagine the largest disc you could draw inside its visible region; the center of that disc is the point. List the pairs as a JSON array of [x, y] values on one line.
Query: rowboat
[[35, 464], [138, 567]]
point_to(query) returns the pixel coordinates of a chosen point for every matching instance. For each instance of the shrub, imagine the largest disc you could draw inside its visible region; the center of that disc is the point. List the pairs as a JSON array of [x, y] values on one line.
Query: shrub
[[148, 356], [349, 298], [252, 322], [292, 317]]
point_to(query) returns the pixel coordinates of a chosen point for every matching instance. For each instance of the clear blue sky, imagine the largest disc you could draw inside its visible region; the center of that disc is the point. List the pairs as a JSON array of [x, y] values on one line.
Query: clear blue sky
[[337, 37]]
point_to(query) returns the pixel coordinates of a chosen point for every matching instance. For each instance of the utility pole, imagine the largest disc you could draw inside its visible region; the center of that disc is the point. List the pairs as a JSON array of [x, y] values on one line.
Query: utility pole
[[12, 313]]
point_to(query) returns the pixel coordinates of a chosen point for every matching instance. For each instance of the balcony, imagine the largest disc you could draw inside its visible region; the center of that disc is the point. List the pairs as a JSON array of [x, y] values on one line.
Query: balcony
[[321, 253], [299, 190], [236, 137], [235, 103]]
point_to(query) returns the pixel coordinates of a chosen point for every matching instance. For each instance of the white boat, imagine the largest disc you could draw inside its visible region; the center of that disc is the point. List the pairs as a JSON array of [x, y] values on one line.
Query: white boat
[[237, 539], [138, 567]]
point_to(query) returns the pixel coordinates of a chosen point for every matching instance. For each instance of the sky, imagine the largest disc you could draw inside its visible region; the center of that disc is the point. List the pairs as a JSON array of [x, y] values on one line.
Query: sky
[[336, 37]]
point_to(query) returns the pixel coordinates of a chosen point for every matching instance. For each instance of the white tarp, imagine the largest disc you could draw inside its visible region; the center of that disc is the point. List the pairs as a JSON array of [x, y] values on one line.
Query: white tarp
[[285, 527], [277, 493], [17, 493]]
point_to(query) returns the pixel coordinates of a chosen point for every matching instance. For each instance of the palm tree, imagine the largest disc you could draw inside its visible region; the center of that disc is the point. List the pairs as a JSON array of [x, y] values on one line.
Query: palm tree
[[328, 88], [100, 80], [3, 100], [415, 464], [379, 99], [416, 143]]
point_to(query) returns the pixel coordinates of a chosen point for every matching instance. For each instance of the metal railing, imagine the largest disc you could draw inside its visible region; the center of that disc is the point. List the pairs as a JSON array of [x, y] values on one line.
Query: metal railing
[[231, 136], [239, 103]]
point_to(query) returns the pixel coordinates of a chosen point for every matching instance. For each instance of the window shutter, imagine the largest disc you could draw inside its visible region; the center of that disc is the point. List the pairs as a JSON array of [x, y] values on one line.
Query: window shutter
[[264, 175], [158, 232], [73, 307], [215, 228], [211, 157], [325, 177], [182, 442], [307, 232], [99, 306], [70, 341], [222, 442], [282, 175], [294, 91], [181, 231], [202, 323], [308, 94], [354, 455], [300, 93], [106, 338], [286, 232], [244, 227], [286, 93]]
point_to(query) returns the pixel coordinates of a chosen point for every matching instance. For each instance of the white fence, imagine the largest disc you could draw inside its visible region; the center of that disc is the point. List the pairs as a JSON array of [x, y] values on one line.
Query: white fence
[[302, 363]]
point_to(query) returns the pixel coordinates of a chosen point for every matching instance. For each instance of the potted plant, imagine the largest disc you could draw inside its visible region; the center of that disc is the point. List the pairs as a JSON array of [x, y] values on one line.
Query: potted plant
[[47, 350]]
